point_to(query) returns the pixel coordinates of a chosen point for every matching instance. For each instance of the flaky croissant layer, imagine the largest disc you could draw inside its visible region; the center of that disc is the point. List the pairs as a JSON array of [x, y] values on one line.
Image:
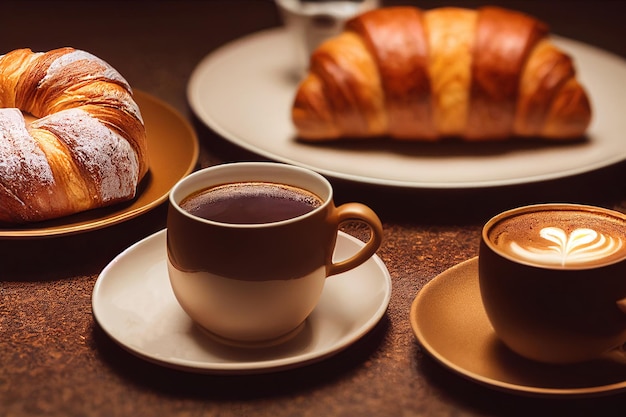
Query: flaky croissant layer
[[410, 74], [86, 147]]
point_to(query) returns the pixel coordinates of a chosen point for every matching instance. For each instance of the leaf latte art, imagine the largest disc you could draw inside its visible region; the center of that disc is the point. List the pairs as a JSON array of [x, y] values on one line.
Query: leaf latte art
[[579, 247]]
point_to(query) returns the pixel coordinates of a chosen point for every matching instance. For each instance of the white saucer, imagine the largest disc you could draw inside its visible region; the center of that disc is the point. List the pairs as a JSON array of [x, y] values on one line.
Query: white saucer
[[450, 323], [134, 304]]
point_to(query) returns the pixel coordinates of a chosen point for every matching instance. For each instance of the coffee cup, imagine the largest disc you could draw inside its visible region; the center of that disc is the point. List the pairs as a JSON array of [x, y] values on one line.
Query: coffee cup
[[250, 246], [310, 22], [553, 281]]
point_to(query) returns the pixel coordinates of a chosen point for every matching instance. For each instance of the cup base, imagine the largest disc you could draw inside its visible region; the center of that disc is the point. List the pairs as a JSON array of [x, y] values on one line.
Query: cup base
[[254, 344]]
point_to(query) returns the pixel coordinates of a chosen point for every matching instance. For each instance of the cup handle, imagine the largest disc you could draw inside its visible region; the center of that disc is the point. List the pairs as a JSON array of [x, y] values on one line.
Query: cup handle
[[358, 211], [617, 354]]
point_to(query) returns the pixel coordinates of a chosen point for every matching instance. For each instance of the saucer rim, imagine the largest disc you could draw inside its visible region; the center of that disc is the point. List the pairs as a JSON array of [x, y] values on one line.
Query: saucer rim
[[528, 390], [253, 367]]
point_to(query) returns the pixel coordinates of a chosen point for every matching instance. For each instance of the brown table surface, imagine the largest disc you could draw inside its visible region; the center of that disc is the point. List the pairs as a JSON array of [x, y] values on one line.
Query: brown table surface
[[56, 361]]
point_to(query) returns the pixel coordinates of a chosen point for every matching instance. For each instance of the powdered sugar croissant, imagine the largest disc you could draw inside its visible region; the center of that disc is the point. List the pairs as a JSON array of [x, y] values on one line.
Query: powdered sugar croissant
[[410, 74], [86, 147]]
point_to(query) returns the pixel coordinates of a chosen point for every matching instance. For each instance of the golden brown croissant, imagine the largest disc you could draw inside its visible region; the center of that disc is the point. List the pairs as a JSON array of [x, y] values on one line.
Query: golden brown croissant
[[86, 147], [406, 73]]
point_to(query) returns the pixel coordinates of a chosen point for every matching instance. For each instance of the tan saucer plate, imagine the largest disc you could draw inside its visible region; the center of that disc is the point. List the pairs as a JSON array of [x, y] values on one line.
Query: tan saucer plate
[[451, 325]]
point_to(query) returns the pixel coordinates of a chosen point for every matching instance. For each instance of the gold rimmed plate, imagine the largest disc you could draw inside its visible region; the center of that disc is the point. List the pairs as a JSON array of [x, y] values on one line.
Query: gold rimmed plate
[[173, 151], [450, 323]]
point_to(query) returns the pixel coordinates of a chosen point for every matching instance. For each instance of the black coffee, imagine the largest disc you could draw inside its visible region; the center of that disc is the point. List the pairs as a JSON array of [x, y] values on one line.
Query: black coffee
[[250, 202]]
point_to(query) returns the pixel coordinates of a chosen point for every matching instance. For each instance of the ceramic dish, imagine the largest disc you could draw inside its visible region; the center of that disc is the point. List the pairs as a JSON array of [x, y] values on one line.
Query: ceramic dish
[[451, 325], [244, 91], [133, 302], [173, 152]]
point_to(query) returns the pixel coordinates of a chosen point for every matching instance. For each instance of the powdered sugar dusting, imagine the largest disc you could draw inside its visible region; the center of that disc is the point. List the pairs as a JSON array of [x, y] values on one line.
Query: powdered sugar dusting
[[107, 72], [107, 157], [21, 159]]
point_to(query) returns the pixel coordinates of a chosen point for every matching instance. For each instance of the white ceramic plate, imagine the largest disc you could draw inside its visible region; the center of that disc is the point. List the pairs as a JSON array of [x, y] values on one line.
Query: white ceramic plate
[[450, 323], [134, 304], [244, 91]]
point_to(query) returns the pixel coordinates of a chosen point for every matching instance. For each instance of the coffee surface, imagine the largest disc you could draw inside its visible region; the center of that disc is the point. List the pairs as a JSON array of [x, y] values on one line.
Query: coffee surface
[[561, 238], [250, 202]]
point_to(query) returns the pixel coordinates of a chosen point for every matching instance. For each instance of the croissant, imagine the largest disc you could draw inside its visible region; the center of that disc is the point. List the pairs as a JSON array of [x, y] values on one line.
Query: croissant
[[84, 144], [410, 74]]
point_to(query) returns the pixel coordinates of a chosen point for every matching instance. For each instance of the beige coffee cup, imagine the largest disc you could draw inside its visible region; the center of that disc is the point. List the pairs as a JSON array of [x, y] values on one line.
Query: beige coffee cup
[[255, 284], [553, 281]]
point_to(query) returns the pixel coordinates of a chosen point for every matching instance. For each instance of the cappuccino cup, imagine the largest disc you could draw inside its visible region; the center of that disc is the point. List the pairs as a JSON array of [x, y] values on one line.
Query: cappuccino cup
[[250, 246], [553, 281]]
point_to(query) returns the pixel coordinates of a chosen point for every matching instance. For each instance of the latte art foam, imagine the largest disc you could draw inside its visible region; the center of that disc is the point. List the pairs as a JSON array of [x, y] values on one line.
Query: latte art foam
[[561, 238], [578, 247]]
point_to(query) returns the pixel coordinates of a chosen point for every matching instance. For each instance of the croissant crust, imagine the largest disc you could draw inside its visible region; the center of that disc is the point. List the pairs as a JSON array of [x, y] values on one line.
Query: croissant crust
[[405, 73], [84, 144]]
